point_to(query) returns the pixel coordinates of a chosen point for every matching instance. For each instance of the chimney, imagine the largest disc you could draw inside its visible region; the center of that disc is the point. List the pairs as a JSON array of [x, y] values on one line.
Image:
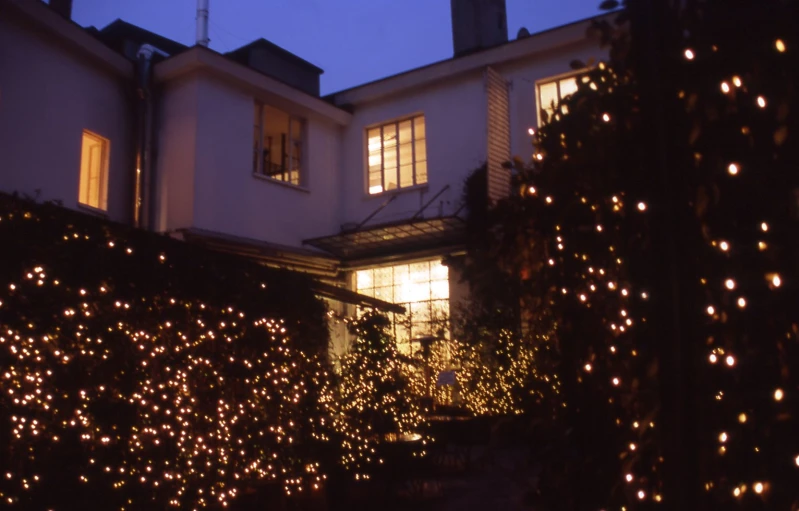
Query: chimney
[[62, 7], [202, 23], [478, 24]]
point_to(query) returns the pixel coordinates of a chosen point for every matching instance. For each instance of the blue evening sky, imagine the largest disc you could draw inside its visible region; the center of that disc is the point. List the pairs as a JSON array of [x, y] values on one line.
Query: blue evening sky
[[354, 41]]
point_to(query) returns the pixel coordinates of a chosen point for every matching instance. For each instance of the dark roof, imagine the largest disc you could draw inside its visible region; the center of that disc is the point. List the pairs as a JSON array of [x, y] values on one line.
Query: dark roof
[[401, 237], [118, 32], [240, 54]]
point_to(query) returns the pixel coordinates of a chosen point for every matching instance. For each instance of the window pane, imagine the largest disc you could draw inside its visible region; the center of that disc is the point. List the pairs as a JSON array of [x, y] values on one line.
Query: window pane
[[420, 315], [421, 172], [383, 277], [405, 132], [406, 176], [364, 279], [406, 154], [420, 272], [390, 178], [373, 141], [438, 271], [439, 289], [568, 86], [421, 150], [390, 136], [384, 293], [390, 157], [548, 93], [418, 128], [92, 188]]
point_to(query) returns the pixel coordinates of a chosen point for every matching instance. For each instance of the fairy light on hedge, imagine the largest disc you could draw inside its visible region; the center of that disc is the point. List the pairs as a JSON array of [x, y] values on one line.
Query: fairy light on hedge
[[158, 398]]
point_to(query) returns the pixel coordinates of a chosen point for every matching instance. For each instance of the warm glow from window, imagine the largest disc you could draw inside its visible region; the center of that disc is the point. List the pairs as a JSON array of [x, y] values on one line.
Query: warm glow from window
[[277, 144], [423, 288], [551, 93], [94, 171], [397, 155]]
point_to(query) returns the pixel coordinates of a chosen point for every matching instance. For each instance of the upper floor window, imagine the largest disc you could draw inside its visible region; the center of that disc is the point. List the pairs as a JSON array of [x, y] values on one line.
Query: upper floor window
[[277, 145], [550, 93], [93, 188], [397, 155]]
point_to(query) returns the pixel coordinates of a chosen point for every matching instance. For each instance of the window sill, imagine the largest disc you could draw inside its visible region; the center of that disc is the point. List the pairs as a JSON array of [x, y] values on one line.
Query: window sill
[[281, 183], [92, 210], [398, 191]]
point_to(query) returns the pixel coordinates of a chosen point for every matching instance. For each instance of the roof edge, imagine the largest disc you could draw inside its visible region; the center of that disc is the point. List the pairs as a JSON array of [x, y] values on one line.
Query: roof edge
[[75, 35], [344, 96]]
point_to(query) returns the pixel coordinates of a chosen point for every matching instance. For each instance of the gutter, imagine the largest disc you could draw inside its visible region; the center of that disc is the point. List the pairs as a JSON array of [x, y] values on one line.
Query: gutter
[[145, 111]]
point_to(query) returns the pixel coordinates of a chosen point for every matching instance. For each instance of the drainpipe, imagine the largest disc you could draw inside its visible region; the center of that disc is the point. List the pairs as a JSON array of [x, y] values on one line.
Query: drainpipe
[[142, 207]]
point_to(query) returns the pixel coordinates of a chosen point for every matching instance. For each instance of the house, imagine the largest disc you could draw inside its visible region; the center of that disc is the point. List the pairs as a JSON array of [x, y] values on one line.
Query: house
[[240, 153]]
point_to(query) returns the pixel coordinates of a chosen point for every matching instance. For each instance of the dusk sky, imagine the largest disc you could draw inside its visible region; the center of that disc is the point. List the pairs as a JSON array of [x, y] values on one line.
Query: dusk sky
[[354, 41]]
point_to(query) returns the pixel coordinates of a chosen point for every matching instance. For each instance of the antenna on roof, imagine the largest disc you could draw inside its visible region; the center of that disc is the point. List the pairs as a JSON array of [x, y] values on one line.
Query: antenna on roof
[[202, 23]]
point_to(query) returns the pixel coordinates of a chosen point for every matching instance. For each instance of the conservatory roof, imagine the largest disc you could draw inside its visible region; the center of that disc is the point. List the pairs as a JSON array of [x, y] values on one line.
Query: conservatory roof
[[393, 238]]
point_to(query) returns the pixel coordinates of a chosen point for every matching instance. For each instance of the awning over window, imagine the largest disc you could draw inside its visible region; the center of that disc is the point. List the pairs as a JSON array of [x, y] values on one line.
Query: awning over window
[[303, 261], [393, 238]]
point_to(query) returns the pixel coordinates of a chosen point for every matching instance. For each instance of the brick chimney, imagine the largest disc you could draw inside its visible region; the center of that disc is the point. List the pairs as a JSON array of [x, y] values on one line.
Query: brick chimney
[[478, 24], [62, 7]]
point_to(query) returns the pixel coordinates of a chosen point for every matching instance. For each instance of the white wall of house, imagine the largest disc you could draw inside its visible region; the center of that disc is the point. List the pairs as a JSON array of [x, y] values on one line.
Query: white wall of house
[[49, 94], [455, 117], [176, 136], [223, 195]]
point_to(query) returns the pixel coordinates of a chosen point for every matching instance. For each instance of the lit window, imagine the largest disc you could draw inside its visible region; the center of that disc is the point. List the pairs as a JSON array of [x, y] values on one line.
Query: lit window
[[94, 152], [397, 155], [277, 145], [551, 93], [423, 288]]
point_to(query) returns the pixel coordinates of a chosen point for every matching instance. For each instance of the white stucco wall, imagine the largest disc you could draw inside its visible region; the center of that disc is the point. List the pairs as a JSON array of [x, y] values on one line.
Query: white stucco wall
[[48, 96], [176, 137], [206, 151], [455, 117]]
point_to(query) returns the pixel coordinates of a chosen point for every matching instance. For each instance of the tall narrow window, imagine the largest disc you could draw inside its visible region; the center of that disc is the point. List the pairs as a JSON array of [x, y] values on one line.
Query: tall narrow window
[[423, 288], [93, 188], [550, 93], [277, 145], [397, 154]]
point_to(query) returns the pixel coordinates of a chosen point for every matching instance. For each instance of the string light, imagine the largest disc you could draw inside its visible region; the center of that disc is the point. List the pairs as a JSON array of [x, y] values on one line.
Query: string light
[[733, 169], [778, 395], [780, 45], [689, 54]]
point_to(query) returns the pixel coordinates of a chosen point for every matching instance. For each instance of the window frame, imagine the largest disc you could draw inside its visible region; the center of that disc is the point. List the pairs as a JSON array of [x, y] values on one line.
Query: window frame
[[258, 152], [396, 124], [105, 158], [557, 79]]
